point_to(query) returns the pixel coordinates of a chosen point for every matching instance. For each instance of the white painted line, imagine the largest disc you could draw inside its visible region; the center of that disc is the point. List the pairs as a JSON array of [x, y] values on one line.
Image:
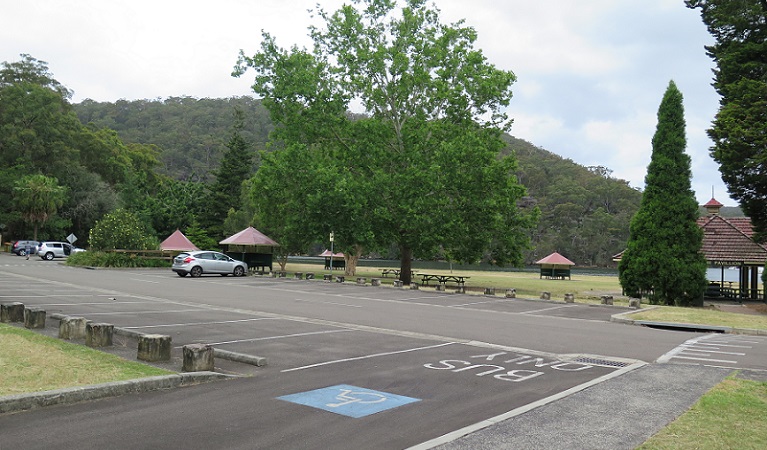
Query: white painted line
[[142, 312], [93, 303], [706, 359], [268, 338], [449, 437], [327, 303], [357, 358], [199, 323], [705, 350], [477, 303], [145, 281], [547, 309], [722, 345]]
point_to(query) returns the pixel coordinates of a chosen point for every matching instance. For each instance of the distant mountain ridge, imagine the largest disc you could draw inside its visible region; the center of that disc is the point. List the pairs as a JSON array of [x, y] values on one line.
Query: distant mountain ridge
[[585, 212]]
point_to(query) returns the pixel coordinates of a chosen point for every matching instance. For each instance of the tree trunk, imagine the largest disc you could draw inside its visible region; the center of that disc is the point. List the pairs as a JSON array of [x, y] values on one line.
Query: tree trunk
[[282, 260], [406, 264], [352, 260]]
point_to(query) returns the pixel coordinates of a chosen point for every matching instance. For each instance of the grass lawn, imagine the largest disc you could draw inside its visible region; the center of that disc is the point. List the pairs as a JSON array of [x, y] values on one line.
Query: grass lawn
[[703, 316], [586, 288], [30, 362], [730, 416]]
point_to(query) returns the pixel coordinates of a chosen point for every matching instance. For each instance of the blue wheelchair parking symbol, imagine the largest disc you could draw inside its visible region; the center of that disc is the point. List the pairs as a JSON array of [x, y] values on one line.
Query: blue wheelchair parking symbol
[[349, 400]]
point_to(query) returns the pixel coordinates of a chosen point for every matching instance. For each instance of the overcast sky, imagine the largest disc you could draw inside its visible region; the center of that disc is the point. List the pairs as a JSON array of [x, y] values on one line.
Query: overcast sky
[[591, 73]]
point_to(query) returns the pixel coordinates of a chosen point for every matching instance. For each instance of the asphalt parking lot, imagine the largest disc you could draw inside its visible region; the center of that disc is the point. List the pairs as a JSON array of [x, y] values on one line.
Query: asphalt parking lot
[[348, 366]]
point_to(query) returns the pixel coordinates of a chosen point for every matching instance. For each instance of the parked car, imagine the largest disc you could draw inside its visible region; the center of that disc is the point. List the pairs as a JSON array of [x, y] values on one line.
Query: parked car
[[21, 248], [49, 249], [199, 262]]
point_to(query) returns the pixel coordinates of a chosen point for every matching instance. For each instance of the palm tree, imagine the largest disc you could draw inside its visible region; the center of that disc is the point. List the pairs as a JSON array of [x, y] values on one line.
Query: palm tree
[[37, 198]]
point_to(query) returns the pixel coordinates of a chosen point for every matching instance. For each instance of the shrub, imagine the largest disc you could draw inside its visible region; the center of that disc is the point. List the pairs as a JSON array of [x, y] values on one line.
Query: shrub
[[121, 229], [111, 259]]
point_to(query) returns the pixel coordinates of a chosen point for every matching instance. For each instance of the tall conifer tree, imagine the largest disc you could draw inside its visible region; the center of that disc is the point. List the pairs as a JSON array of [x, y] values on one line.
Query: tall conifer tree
[[662, 260]]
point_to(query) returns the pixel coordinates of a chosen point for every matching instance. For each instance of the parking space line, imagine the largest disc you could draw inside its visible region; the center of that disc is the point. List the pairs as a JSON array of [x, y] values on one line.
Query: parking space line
[[94, 303], [159, 311], [477, 303], [375, 355], [547, 309], [199, 323], [145, 281], [327, 303], [267, 338]]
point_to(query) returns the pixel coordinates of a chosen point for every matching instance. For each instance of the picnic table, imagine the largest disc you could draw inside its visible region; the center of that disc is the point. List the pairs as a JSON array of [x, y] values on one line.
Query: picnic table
[[459, 280], [395, 272]]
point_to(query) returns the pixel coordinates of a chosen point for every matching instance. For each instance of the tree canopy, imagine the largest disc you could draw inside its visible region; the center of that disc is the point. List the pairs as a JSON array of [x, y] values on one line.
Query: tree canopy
[[663, 259], [739, 130], [423, 161]]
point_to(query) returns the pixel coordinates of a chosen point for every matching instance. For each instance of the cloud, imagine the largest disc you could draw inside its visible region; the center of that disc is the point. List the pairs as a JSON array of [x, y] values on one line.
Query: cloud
[[591, 73]]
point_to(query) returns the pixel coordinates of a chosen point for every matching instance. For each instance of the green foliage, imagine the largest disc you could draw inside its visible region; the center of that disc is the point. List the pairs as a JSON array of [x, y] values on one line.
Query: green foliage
[[420, 168], [225, 193], [192, 133], [37, 198], [739, 130], [585, 212], [112, 259], [122, 229], [662, 259], [200, 237]]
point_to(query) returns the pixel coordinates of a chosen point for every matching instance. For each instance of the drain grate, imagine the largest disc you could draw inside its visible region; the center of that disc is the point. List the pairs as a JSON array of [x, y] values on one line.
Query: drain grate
[[602, 362]]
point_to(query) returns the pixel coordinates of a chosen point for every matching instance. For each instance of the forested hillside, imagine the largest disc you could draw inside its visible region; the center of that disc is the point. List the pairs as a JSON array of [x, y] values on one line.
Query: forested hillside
[[190, 132], [585, 212]]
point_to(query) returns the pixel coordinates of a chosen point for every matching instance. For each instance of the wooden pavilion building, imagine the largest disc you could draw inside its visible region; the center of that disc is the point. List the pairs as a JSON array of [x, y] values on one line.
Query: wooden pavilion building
[[555, 266], [728, 242]]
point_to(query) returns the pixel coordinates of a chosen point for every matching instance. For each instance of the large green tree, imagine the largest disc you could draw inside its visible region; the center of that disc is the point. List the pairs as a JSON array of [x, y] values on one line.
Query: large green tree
[[225, 192], [421, 166], [38, 198], [739, 130], [663, 259]]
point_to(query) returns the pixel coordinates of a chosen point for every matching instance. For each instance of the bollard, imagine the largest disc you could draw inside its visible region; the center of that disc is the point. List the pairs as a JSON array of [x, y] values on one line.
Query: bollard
[[327, 277], [34, 318], [273, 274], [545, 295], [340, 279], [511, 293], [398, 283], [607, 299], [154, 347], [441, 287], [283, 274], [12, 312], [361, 281], [414, 286], [635, 303], [72, 328], [375, 281], [309, 275], [99, 334], [460, 290], [198, 358], [569, 298], [298, 275], [490, 291]]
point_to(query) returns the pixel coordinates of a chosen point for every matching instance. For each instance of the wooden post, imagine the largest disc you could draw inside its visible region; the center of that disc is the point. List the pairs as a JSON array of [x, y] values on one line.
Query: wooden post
[[511, 293], [198, 358], [12, 312], [72, 328], [545, 295], [154, 347], [34, 318], [490, 291], [569, 298], [99, 334], [375, 281]]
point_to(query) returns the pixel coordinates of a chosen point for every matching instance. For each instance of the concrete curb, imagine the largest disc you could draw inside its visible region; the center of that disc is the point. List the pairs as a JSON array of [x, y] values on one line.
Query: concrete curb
[[624, 318], [24, 402]]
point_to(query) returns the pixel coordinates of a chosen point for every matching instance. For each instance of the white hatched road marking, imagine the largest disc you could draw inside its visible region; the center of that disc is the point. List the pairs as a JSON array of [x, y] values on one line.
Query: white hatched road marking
[[709, 347]]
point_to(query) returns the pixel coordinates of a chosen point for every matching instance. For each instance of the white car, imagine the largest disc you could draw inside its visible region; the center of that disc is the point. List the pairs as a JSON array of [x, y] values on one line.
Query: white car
[[48, 250], [199, 262]]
